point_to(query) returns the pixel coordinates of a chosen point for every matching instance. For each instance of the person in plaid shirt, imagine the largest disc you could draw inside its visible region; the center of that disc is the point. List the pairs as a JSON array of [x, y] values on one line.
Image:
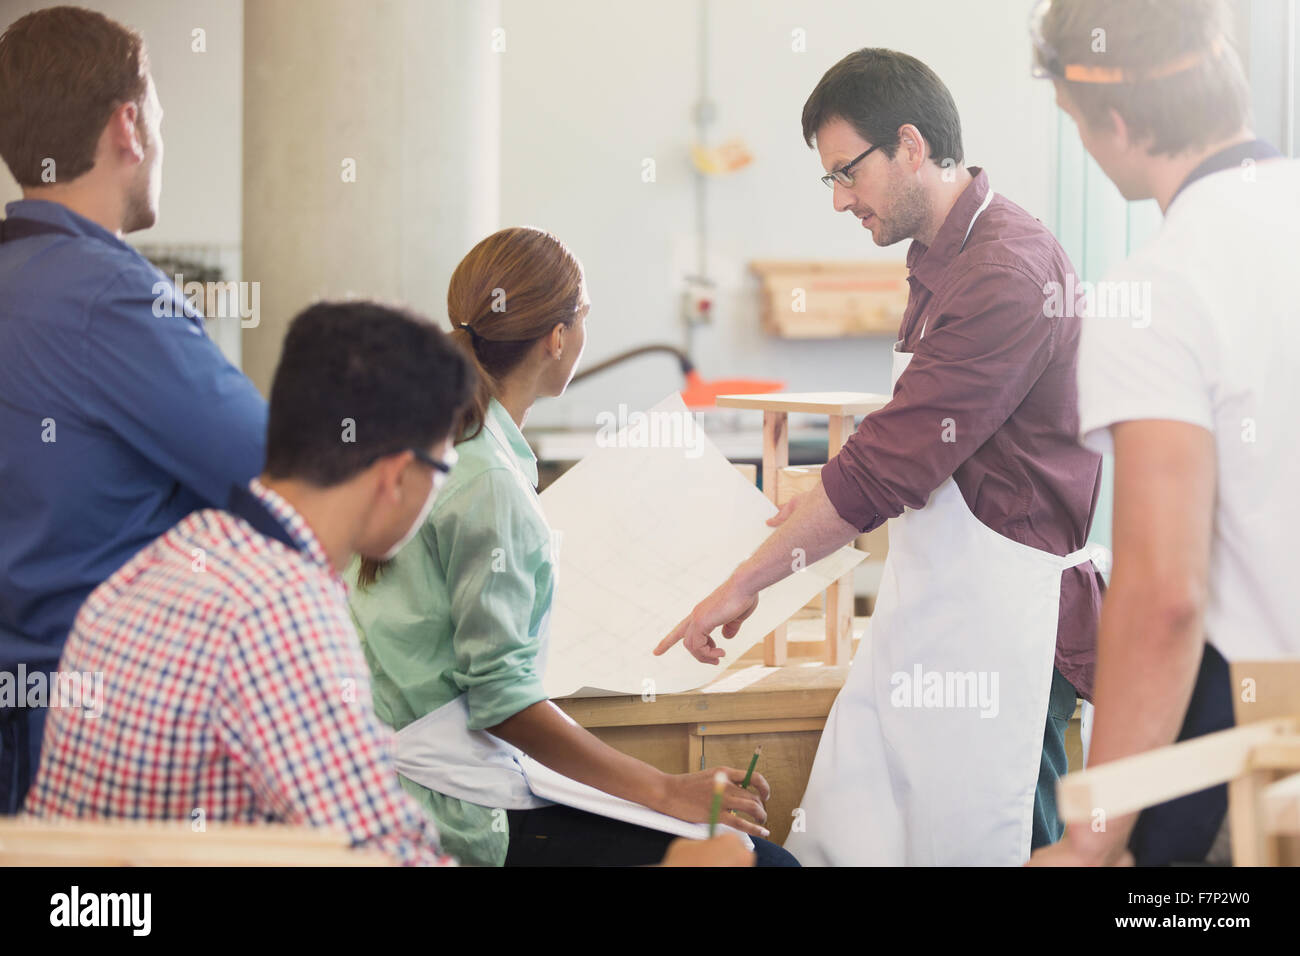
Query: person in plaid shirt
[[234, 687]]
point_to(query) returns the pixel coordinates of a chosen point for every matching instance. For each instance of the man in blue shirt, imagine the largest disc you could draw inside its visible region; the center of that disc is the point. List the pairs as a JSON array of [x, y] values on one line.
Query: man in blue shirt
[[118, 415]]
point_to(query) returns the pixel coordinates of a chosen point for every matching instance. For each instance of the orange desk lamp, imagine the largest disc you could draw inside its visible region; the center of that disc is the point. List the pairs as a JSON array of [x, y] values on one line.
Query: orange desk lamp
[[698, 393]]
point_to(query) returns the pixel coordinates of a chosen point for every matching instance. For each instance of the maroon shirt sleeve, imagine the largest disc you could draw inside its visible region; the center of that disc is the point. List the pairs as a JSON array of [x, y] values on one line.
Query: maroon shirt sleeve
[[973, 367]]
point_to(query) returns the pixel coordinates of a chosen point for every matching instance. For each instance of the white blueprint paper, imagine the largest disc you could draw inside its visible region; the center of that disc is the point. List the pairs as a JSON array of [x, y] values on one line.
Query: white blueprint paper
[[644, 534]]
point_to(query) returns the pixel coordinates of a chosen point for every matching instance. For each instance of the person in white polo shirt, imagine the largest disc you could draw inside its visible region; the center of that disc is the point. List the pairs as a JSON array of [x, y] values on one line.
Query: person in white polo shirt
[[1193, 386]]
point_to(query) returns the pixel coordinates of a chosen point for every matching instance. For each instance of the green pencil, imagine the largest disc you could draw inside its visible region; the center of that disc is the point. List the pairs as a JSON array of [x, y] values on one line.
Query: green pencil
[[719, 782], [753, 762]]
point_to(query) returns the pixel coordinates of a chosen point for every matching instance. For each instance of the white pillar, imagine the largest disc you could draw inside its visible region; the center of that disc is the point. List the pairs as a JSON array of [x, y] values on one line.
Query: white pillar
[[404, 92]]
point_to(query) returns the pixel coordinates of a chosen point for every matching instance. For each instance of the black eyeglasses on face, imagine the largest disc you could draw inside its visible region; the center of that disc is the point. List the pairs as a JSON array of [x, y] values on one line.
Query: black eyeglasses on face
[[426, 458], [843, 176]]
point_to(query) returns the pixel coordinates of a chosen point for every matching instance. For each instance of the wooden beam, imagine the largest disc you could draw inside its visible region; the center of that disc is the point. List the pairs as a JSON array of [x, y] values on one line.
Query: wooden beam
[[1280, 802], [27, 841], [1251, 845], [777, 725], [816, 403], [776, 456], [1143, 780]]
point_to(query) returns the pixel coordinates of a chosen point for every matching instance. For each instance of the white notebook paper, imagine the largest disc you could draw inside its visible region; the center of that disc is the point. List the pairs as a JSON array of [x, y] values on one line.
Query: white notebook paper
[[549, 785]]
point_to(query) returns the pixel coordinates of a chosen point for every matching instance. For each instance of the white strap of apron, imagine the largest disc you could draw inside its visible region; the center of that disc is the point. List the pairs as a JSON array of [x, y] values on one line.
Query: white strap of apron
[[984, 205], [1095, 553]]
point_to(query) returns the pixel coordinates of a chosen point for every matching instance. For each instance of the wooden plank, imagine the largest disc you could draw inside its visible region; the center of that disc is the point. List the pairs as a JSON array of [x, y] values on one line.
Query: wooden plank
[[786, 764], [777, 725], [776, 450], [1280, 803], [839, 428], [1265, 689], [822, 299], [1280, 754], [839, 596], [1251, 845], [695, 744], [817, 403], [29, 842], [594, 712], [1133, 783], [664, 747], [776, 456], [794, 480]]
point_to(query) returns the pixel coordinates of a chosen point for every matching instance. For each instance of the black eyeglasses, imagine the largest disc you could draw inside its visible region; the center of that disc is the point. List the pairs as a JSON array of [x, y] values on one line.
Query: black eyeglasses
[[842, 175], [426, 458], [444, 467]]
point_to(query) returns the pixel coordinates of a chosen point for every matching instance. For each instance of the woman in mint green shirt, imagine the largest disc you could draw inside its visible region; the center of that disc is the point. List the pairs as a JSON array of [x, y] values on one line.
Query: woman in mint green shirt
[[454, 627]]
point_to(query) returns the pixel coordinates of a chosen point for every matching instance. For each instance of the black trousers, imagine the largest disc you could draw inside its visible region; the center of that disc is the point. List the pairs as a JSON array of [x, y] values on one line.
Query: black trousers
[[21, 729], [1183, 830], [563, 836]]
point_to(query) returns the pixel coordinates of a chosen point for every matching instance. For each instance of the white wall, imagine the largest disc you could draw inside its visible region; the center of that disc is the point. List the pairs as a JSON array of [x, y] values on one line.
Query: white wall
[[591, 87], [406, 93], [202, 100]]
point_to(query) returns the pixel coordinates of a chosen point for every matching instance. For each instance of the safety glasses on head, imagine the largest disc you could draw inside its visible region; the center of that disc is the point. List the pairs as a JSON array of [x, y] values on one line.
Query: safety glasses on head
[[1048, 62]]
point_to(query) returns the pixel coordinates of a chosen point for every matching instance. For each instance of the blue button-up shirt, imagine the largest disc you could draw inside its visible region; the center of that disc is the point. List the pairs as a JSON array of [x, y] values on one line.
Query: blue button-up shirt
[[118, 417]]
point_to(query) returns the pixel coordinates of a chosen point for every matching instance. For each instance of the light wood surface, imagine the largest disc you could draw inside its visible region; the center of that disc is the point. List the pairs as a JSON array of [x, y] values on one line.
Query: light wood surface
[[839, 596], [828, 299], [1134, 783], [815, 403], [776, 456], [748, 703], [26, 841], [1263, 690], [783, 708]]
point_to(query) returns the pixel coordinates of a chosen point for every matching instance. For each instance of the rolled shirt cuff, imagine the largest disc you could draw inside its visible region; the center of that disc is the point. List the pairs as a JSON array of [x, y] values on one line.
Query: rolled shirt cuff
[[847, 498]]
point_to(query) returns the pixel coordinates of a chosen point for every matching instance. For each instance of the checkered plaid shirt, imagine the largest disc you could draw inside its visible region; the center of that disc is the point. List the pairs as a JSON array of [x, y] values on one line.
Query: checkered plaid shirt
[[233, 685]]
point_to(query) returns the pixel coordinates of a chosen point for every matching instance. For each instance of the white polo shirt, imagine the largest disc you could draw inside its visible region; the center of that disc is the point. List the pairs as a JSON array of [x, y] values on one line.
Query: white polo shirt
[[1218, 347]]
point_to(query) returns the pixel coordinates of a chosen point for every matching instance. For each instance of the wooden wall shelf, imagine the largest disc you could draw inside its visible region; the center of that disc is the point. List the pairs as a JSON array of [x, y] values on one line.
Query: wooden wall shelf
[[821, 299]]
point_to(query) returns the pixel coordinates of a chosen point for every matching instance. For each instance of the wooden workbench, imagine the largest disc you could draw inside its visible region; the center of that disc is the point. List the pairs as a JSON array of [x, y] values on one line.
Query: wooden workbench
[[783, 708]]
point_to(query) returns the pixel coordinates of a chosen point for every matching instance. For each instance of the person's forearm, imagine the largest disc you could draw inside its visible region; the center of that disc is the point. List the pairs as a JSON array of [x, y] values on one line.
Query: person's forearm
[[547, 735], [813, 531], [1148, 651]]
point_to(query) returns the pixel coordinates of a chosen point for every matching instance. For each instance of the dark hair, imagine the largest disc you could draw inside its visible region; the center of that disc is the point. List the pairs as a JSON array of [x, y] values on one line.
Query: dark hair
[[876, 92], [507, 294], [1186, 109], [63, 71], [357, 381]]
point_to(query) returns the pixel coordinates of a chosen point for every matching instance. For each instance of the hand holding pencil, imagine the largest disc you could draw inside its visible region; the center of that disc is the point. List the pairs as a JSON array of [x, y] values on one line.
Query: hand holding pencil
[[690, 797]]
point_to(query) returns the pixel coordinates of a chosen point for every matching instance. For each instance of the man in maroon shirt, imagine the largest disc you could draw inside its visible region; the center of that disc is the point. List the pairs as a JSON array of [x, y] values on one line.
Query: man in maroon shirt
[[987, 580]]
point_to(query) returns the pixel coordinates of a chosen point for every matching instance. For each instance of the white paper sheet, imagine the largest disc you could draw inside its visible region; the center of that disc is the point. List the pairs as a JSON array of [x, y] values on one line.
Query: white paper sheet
[[646, 533], [549, 785]]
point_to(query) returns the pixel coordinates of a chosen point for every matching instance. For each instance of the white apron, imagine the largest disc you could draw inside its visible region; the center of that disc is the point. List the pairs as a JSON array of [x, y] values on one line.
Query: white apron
[[931, 752], [439, 750]]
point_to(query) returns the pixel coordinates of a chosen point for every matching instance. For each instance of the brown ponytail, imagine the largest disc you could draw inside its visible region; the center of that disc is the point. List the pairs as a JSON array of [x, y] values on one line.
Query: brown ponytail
[[507, 294]]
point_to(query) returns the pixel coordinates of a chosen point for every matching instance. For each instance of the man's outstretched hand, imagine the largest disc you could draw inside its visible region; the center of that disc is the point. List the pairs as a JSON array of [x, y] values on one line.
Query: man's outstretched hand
[[727, 608]]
